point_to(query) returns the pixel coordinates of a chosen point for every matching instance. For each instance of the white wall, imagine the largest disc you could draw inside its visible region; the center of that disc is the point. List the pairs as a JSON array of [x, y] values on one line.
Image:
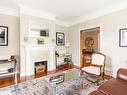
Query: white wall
[[109, 39], [12, 23], [62, 29]]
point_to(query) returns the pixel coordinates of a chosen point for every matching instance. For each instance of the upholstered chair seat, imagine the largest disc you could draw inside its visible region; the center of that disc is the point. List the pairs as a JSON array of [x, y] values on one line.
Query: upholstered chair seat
[[92, 70]]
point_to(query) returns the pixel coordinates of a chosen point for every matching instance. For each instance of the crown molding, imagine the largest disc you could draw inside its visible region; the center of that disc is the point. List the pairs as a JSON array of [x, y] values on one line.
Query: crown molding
[[28, 11], [36, 12], [102, 12], [9, 11], [62, 23], [44, 14]]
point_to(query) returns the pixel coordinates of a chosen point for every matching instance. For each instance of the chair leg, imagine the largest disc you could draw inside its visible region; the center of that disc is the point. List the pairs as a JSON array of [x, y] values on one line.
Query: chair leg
[[103, 75], [97, 81], [81, 72]]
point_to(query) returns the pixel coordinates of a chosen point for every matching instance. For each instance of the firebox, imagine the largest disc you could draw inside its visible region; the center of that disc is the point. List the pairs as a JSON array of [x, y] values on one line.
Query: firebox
[[40, 67]]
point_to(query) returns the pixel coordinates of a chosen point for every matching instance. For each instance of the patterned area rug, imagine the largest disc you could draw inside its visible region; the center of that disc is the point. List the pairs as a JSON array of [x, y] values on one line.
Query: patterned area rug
[[39, 86]]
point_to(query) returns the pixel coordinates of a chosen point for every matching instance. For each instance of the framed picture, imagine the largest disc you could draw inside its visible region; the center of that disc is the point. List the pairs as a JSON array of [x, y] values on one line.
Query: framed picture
[[3, 36], [123, 37], [60, 39]]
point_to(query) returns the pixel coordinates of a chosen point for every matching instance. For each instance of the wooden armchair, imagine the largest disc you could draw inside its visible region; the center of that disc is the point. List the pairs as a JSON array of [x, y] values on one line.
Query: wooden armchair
[[97, 66]]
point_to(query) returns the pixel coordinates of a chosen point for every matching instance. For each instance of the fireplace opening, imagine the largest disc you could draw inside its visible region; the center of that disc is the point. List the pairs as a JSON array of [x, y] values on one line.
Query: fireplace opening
[[40, 67]]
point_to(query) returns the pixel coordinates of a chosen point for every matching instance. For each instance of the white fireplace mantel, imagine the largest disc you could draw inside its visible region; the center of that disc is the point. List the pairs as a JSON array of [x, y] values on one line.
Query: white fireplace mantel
[[35, 53]]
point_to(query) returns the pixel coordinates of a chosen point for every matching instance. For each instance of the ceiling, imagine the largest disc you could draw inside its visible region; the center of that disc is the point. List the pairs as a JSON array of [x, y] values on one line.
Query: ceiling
[[70, 11]]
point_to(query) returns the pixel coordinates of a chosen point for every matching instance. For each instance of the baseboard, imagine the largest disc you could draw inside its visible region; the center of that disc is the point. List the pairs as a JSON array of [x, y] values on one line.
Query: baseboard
[[22, 74]]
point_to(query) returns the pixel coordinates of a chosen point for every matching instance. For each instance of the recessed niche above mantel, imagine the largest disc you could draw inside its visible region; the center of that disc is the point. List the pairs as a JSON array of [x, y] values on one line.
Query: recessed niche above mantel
[[38, 29], [39, 32]]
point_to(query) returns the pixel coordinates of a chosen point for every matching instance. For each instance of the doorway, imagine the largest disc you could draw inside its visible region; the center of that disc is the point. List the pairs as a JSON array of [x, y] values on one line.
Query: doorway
[[89, 43]]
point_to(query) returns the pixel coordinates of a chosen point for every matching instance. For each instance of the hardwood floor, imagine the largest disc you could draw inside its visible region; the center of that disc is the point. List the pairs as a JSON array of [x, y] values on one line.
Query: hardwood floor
[[10, 79]]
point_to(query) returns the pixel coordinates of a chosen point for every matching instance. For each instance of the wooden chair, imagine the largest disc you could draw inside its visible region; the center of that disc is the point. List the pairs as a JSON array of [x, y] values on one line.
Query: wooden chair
[[97, 66]]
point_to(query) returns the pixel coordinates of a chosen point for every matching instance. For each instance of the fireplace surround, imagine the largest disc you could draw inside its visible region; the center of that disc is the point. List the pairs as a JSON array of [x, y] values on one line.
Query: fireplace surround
[[36, 53]]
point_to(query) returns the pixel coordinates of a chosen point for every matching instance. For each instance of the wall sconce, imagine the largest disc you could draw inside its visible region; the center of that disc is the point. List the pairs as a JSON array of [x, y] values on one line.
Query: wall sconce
[[25, 39]]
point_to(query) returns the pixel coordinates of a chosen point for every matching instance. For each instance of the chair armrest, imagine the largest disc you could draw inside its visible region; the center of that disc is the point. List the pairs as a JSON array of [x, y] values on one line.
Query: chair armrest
[[122, 74], [97, 65]]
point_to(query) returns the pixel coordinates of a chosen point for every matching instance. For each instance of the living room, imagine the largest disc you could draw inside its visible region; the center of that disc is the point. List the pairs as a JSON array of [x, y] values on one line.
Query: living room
[[47, 33]]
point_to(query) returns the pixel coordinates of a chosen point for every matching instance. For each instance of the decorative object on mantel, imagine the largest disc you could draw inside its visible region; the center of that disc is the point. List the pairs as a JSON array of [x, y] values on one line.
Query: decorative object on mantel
[[44, 32], [3, 35], [40, 41], [123, 37], [60, 39]]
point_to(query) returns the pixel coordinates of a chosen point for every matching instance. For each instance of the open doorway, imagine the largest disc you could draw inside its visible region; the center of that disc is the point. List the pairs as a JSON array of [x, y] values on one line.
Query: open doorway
[[89, 43]]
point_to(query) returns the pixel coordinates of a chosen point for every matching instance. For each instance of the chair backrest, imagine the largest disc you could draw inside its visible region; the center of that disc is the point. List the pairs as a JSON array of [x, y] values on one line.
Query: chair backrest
[[98, 59]]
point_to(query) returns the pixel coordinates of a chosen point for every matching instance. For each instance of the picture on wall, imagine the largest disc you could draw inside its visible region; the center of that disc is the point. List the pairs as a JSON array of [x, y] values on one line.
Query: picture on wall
[[3, 36], [60, 39], [123, 37]]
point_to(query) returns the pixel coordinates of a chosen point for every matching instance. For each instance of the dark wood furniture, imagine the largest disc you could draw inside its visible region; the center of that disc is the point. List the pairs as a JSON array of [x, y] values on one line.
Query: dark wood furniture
[[115, 86], [97, 66], [87, 57]]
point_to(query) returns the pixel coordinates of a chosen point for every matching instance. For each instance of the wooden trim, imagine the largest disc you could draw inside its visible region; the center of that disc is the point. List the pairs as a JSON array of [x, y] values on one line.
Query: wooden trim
[[81, 48], [96, 28]]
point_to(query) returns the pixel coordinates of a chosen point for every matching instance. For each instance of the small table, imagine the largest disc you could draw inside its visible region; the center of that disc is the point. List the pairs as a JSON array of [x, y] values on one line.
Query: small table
[[64, 59], [11, 71], [65, 77]]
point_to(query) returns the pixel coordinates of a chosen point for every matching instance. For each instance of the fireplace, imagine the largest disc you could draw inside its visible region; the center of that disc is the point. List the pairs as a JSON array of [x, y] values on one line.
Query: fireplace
[[36, 53], [40, 67]]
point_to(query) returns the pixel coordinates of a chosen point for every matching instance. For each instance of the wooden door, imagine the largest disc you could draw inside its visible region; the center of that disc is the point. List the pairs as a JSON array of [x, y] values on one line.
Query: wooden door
[[81, 48], [84, 60]]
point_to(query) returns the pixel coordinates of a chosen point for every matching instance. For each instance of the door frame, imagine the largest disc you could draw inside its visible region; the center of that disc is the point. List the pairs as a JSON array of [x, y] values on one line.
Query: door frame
[[100, 41]]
